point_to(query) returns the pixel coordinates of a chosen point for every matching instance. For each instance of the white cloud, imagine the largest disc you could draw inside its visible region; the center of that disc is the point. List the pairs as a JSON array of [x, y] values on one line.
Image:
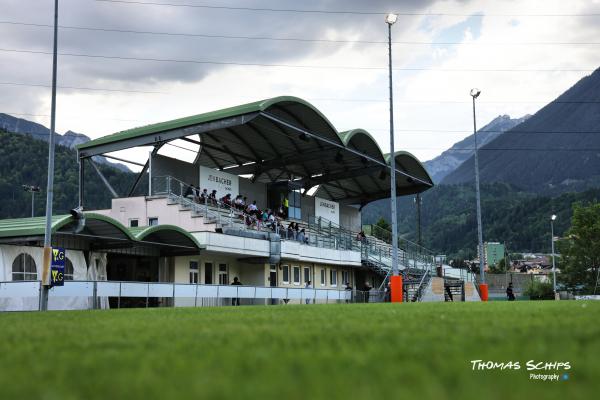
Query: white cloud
[[191, 89]]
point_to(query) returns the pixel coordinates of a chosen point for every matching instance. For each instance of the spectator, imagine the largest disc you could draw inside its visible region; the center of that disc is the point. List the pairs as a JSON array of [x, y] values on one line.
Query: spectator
[[252, 208], [213, 197], [308, 286], [510, 293], [361, 237], [226, 199], [191, 192], [238, 202], [348, 288], [204, 196], [290, 231], [236, 301], [302, 238], [367, 291]]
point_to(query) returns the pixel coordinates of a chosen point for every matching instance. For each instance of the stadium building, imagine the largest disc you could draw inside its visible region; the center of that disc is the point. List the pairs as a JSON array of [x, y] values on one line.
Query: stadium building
[[281, 162]]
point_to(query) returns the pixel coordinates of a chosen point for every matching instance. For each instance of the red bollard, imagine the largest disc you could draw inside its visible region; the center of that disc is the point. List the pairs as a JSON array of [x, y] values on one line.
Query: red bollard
[[483, 291], [396, 287]]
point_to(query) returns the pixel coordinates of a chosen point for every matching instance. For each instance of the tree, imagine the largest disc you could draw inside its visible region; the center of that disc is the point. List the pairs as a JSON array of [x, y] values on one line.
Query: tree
[[580, 249], [383, 224], [500, 268]]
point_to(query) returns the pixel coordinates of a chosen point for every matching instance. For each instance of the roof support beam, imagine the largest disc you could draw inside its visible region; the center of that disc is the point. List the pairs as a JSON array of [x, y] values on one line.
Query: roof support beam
[[350, 173], [142, 172], [103, 178], [338, 145], [152, 139]]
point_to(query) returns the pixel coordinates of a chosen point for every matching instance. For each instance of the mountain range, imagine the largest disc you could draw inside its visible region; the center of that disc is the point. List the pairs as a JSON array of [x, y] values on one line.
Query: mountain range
[[70, 139], [450, 159], [554, 151]]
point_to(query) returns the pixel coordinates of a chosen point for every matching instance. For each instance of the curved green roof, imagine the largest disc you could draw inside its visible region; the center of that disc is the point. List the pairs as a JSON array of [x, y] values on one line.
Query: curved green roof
[[142, 232], [275, 139]]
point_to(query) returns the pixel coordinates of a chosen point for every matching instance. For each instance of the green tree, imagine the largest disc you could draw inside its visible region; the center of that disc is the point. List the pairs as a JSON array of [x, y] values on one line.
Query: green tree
[[537, 290], [499, 268], [580, 249], [383, 224]]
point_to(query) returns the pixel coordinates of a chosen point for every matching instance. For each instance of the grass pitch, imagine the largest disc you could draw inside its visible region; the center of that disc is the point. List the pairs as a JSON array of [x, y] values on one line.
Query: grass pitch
[[345, 351]]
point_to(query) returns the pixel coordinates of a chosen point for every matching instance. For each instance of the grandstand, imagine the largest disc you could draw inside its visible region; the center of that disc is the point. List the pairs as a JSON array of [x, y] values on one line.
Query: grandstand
[[297, 237]]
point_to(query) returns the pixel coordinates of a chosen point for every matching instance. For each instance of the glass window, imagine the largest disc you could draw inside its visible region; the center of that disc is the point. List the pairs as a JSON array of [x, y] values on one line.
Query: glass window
[[133, 223], [306, 274], [152, 221], [23, 268], [208, 273], [323, 276], [345, 277], [333, 277], [296, 275], [68, 270], [193, 271], [223, 279], [286, 274]]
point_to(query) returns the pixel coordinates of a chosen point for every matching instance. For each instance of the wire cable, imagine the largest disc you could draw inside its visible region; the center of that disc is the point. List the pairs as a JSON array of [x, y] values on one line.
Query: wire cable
[[328, 67]]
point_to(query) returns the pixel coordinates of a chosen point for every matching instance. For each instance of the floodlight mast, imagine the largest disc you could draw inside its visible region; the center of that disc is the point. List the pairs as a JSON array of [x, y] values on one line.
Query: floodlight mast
[[390, 19], [483, 288], [552, 219], [45, 285]]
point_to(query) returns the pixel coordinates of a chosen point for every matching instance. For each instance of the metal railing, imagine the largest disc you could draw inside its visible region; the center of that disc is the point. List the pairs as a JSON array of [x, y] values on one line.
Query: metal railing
[[24, 295]]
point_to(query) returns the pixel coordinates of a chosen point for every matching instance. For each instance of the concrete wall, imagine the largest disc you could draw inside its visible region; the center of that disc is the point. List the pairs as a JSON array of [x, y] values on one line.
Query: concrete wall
[[434, 290], [254, 191], [350, 218], [471, 293], [166, 166], [142, 208]]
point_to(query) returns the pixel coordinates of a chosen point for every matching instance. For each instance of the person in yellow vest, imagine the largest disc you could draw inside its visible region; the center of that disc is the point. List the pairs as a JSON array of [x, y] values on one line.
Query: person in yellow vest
[[286, 205]]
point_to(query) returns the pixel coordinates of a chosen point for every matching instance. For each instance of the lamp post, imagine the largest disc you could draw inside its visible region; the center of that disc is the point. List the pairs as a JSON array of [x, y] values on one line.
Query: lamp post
[[390, 19], [483, 288], [50, 187], [33, 190], [396, 279], [552, 219]]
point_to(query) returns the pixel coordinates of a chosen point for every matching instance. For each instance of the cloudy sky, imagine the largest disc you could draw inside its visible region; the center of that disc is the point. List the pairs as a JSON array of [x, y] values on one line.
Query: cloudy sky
[[124, 63]]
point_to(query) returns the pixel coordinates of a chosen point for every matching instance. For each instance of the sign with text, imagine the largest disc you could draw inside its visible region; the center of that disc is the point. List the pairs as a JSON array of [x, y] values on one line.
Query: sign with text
[[327, 209], [57, 267], [222, 182]]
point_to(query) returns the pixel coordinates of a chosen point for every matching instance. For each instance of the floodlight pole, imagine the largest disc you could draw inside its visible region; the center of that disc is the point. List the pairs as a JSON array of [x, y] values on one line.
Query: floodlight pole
[[553, 262], [474, 94], [392, 162], [50, 186]]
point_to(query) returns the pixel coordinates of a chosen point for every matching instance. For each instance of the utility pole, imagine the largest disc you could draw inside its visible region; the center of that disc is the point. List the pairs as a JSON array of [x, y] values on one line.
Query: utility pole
[[33, 190], [482, 285], [418, 200], [45, 287]]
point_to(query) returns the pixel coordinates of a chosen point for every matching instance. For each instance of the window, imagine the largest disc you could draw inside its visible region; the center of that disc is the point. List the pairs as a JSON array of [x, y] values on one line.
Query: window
[[68, 270], [23, 268], [306, 274], [296, 275], [286, 274], [133, 223], [223, 280], [152, 221], [345, 277], [193, 271], [323, 276], [208, 273], [333, 277]]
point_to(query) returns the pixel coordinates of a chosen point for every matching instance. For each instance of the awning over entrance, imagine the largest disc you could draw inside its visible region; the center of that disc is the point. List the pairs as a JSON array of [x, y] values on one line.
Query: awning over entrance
[[278, 139], [100, 232]]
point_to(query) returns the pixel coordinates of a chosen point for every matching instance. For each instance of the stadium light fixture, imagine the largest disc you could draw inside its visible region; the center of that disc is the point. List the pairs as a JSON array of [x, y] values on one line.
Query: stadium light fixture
[[391, 18], [33, 190], [483, 287]]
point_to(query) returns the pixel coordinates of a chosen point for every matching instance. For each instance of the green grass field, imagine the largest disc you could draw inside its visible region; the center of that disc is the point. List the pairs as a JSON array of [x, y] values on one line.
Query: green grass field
[[368, 351]]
